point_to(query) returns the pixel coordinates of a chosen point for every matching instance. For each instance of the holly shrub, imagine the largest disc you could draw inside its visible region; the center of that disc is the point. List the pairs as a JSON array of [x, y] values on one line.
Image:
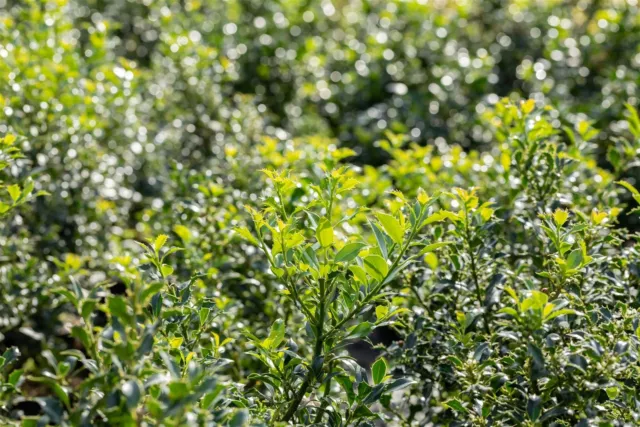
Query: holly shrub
[[340, 213]]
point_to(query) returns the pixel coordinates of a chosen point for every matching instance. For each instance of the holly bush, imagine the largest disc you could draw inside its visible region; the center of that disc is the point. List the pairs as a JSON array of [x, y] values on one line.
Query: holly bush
[[265, 213]]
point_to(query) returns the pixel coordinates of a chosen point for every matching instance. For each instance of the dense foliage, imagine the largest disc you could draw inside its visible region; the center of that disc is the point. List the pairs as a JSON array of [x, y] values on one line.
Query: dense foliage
[[336, 213]]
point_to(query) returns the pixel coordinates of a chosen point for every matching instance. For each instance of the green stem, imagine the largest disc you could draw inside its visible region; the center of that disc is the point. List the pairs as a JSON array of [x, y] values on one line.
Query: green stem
[[284, 210], [317, 352], [293, 406], [532, 381], [474, 270], [416, 293], [330, 208], [327, 391], [375, 290]]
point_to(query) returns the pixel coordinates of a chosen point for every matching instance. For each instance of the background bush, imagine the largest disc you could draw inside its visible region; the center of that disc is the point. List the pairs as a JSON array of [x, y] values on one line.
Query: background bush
[[341, 213]]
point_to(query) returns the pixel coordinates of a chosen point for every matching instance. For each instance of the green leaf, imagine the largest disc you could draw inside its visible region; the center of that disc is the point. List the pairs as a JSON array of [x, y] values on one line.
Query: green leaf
[[432, 247], [63, 369], [60, 392], [456, 405], [380, 238], [276, 335], [374, 395], [359, 273], [240, 418], [27, 189], [455, 361], [86, 308], [70, 296], [379, 370], [360, 331], [376, 267], [349, 252], [324, 233], [534, 407], [178, 391], [203, 315], [392, 226], [118, 308], [131, 391], [150, 290], [172, 251], [146, 344], [81, 334], [575, 259], [30, 422], [399, 384], [536, 354], [347, 386], [15, 376]]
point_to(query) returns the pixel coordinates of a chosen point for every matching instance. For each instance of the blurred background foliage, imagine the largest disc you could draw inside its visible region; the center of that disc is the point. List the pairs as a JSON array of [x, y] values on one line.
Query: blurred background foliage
[[112, 95], [146, 117]]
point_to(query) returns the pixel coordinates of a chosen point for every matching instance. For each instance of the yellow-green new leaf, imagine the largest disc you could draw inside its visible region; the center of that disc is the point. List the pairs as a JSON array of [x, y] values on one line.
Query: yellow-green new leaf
[[14, 192], [528, 106], [432, 247], [512, 293], [9, 139], [324, 233], [159, 242], [246, 235], [431, 259], [634, 192], [183, 232], [510, 311], [560, 216], [166, 270], [505, 161], [358, 273], [381, 312], [392, 226], [557, 313], [441, 216], [175, 342], [276, 335]]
